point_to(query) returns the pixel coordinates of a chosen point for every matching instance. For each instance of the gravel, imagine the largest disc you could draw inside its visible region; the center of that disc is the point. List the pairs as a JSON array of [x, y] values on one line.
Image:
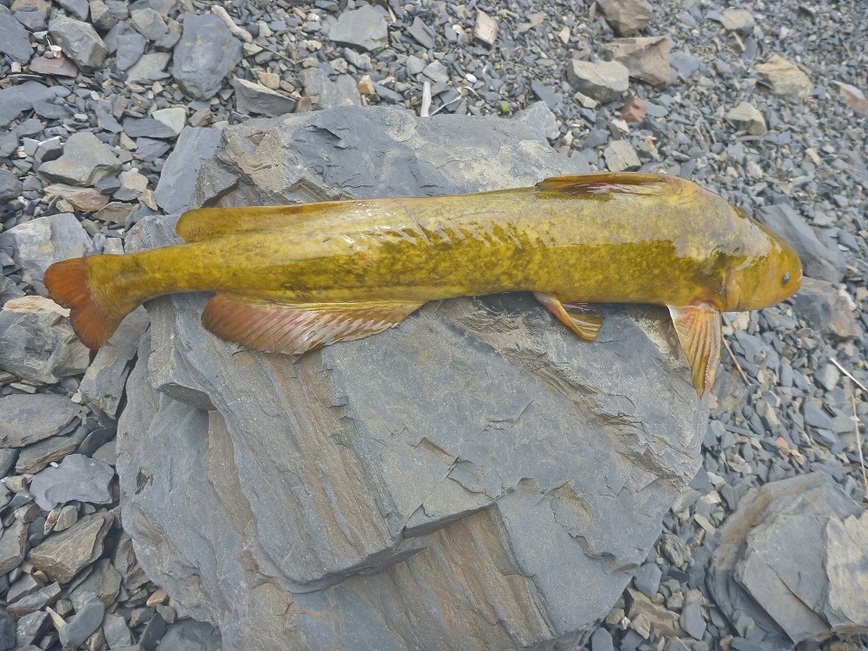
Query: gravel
[[119, 101]]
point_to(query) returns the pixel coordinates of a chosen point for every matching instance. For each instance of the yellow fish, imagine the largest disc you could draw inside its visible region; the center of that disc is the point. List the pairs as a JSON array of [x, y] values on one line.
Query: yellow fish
[[290, 279]]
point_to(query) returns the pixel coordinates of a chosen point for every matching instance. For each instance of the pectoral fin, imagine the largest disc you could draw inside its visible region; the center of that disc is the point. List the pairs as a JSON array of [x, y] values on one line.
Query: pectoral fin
[[293, 329], [698, 329], [578, 317]]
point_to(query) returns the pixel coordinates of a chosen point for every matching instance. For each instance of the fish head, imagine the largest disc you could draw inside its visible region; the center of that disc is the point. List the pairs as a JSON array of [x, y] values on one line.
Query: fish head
[[764, 277]]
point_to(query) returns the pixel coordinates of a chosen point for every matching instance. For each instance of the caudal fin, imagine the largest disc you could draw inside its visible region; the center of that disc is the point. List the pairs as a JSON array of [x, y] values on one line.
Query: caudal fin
[[67, 285]]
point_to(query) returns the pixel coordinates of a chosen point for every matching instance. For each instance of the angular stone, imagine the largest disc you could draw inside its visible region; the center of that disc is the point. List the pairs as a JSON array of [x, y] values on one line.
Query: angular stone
[[31, 628], [42, 241], [147, 128], [747, 118], [59, 67], [825, 309], [35, 457], [626, 17], [786, 79], [28, 418], [328, 93], [36, 601], [79, 42], [10, 186], [101, 16], [78, 8], [423, 34], [605, 81], [853, 96], [646, 59], [85, 161], [149, 23], [118, 634], [14, 39], [17, 99], [538, 116], [486, 28], [175, 191], [820, 256], [260, 100], [782, 556], [364, 28], [174, 117], [192, 636], [103, 384], [620, 156], [737, 20], [104, 581], [78, 478], [13, 545], [85, 621], [131, 47], [81, 199], [467, 486], [203, 57], [149, 67], [63, 555]]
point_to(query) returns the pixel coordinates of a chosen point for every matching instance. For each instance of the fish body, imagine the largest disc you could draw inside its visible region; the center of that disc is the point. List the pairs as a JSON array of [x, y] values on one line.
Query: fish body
[[292, 278]]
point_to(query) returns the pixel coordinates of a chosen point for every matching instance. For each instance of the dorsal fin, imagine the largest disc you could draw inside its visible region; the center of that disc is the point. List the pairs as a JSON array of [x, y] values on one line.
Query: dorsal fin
[[208, 223], [605, 183]]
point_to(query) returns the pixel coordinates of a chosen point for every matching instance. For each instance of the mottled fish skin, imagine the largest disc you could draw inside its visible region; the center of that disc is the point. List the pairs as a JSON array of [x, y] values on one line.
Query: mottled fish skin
[[357, 267]]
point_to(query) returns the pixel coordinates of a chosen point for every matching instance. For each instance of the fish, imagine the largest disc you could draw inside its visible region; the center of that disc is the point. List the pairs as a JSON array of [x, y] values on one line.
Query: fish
[[289, 279]]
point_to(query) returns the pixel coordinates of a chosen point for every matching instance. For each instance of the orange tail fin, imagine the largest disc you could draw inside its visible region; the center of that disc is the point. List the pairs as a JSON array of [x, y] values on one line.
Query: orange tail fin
[[67, 285]]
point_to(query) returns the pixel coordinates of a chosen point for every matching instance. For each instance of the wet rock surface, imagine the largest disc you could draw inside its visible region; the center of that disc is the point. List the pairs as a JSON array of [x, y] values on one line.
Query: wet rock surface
[[765, 107]]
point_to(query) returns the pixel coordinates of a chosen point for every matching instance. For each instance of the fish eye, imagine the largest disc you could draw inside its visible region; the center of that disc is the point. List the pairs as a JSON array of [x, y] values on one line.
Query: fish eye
[[786, 278]]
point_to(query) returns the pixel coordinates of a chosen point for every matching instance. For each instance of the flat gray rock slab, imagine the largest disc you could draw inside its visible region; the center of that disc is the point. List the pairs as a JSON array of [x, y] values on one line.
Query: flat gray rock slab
[[14, 39], [792, 559], [453, 479], [206, 53], [38, 243], [77, 478], [28, 418]]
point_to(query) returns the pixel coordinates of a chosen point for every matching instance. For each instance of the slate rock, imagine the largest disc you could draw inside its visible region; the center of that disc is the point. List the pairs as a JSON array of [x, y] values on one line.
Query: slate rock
[[684, 64], [118, 634], [825, 310], [174, 117], [483, 475], [14, 39], [28, 418], [77, 478], [35, 457], [191, 635], [85, 621], [647, 579], [32, 627], [63, 555], [621, 156], [260, 100], [36, 601], [691, 620], [150, 67], [10, 186], [205, 55], [646, 59], [130, 48], [605, 81], [103, 384], [364, 28], [782, 557], [175, 190], [85, 161], [147, 128], [820, 257], [101, 16], [38, 243], [13, 545], [8, 631], [601, 640], [785, 78], [17, 99], [422, 34], [737, 20], [79, 42], [148, 23], [538, 116], [78, 8], [626, 17], [327, 93], [747, 118]]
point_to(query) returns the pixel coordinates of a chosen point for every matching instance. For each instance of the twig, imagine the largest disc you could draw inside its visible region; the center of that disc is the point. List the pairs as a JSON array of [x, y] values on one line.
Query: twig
[[859, 446], [847, 373], [426, 100], [240, 32], [735, 361]]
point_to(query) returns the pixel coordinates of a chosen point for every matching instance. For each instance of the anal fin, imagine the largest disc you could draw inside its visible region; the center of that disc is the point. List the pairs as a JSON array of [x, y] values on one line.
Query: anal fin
[[578, 317], [295, 328], [699, 333]]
